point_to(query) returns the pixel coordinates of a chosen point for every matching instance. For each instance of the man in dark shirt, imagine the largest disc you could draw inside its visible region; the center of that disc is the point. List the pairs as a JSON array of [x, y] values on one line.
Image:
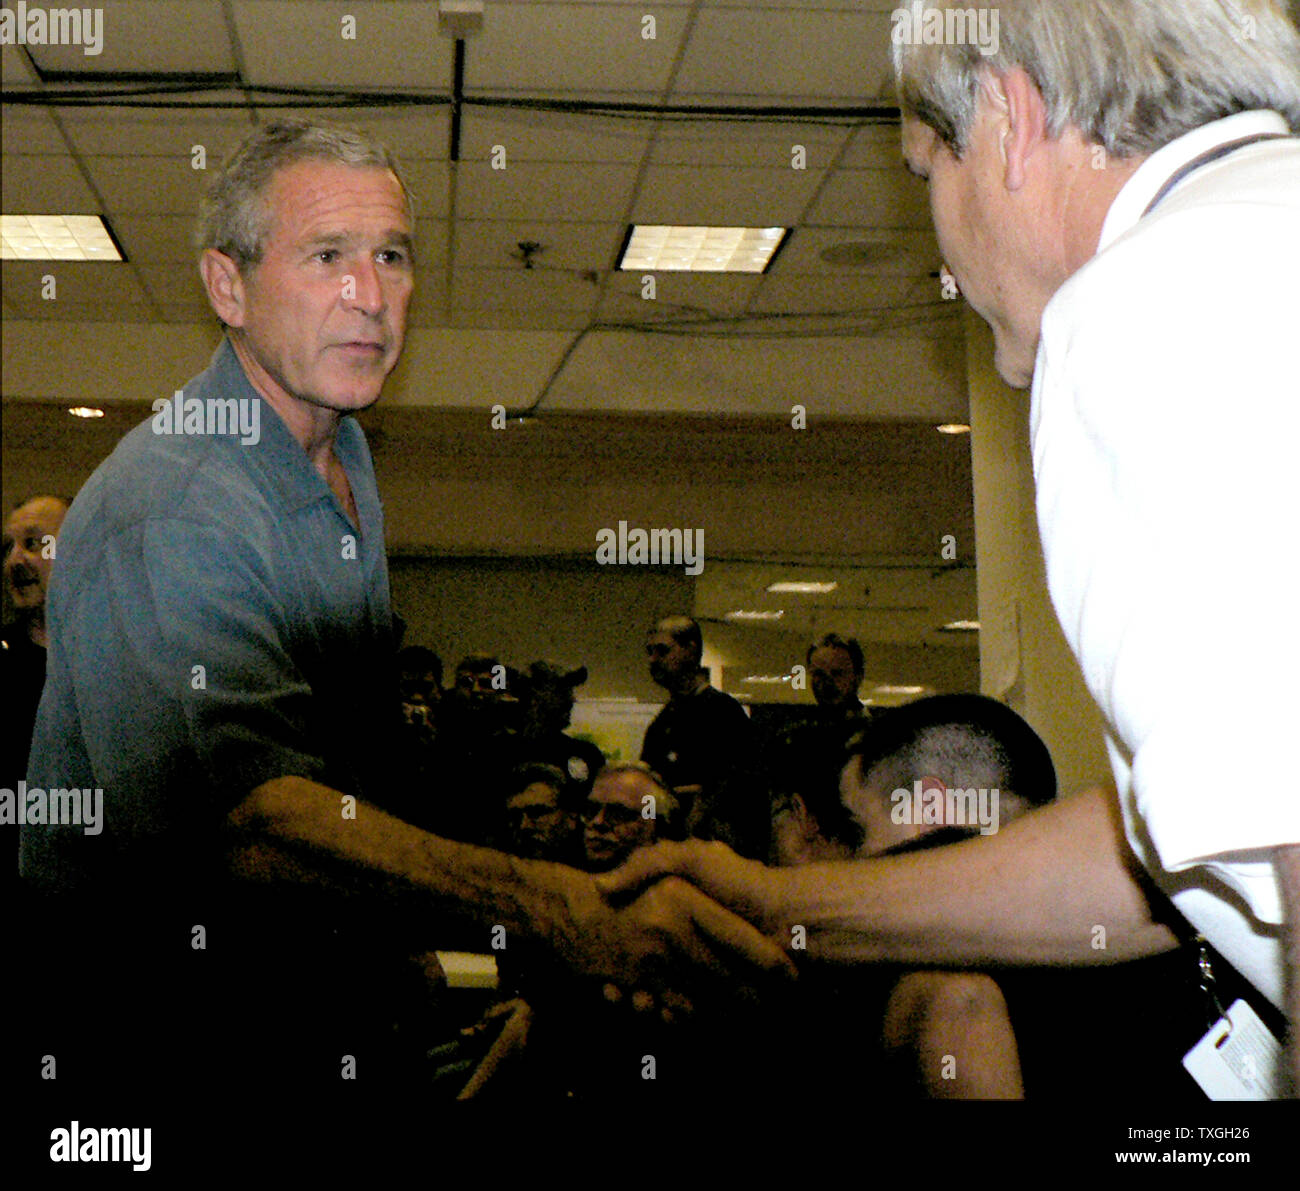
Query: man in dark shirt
[[701, 742]]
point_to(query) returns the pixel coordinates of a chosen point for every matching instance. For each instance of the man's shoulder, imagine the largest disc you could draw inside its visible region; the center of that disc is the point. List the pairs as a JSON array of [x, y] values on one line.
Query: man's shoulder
[[1236, 223]]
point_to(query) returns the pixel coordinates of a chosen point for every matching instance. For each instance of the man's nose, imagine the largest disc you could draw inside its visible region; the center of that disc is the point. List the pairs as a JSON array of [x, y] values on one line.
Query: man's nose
[[367, 289]]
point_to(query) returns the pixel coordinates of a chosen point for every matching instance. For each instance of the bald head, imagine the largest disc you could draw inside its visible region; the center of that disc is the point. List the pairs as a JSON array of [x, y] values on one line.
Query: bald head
[[29, 549]]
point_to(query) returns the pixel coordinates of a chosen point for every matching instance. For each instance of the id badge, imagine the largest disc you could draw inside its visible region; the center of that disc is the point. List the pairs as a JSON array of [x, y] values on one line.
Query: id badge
[[1239, 1059]]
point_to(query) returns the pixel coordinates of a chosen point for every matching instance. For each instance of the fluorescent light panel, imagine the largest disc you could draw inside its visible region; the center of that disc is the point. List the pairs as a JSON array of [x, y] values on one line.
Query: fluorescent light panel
[[663, 248], [961, 626], [753, 614], [897, 690], [953, 428], [56, 238], [799, 587]]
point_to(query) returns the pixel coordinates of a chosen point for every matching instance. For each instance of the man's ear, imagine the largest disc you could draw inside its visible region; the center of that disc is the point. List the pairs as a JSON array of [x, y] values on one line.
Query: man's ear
[[1022, 120], [224, 285]]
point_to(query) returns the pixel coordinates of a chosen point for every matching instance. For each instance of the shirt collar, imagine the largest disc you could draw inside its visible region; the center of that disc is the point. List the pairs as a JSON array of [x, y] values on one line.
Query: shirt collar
[[277, 454], [1141, 188]]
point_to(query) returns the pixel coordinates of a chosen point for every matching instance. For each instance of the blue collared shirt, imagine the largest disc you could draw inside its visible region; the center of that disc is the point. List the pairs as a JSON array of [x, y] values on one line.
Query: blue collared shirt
[[216, 621]]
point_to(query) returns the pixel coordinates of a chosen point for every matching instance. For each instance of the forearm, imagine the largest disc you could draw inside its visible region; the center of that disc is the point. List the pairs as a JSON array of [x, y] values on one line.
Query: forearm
[[1053, 888], [293, 829], [1287, 861]]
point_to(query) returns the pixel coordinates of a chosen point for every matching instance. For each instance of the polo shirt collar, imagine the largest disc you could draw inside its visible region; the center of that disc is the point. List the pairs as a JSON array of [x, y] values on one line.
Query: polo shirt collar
[[277, 454], [1151, 175]]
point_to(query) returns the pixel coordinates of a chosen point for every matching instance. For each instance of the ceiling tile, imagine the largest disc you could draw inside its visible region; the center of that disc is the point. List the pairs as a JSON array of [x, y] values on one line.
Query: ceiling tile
[[549, 192], [152, 239], [876, 147], [677, 296], [173, 286], [147, 185], [489, 243], [841, 294], [719, 195], [411, 131], [520, 289], [26, 128], [552, 136], [158, 132], [571, 49], [148, 36], [16, 68], [872, 198], [45, 185], [397, 45], [835, 56], [103, 285], [892, 251], [748, 143], [532, 319]]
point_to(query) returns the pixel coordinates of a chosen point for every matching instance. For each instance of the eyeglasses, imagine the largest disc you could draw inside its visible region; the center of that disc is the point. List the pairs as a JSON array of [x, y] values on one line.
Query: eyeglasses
[[616, 815]]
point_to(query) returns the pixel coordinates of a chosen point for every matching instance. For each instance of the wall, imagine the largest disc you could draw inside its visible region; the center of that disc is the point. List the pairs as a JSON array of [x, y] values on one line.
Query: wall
[[1024, 659]]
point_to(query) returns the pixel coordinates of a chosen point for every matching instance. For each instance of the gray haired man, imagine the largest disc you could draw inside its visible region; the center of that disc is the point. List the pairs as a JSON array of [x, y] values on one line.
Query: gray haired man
[[1116, 189]]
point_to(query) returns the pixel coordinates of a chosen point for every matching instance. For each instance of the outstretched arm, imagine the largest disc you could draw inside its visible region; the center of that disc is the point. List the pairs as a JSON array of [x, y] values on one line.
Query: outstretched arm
[[1056, 887], [292, 829]]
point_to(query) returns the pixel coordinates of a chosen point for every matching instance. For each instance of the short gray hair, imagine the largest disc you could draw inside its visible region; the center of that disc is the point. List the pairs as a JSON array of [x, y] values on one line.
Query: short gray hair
[[233, 213], [1130, 75]]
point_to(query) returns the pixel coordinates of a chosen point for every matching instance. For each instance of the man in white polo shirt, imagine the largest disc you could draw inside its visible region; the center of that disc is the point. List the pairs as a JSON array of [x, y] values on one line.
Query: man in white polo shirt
[[1116, 189]]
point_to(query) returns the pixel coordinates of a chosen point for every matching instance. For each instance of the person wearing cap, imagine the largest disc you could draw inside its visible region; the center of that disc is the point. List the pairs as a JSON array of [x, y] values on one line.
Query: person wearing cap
[[548, 708]]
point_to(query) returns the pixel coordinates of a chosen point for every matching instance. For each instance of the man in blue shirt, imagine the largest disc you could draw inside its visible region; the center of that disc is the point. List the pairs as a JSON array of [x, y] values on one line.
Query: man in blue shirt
[[221, 668]]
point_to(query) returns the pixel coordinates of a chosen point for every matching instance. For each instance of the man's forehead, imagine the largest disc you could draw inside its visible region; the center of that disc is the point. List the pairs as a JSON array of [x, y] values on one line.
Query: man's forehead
[[35, 514], [619, 787], [314, 194]]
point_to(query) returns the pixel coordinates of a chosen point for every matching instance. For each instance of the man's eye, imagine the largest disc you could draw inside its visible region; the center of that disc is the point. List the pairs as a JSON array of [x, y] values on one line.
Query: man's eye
[[327, 256], [392, 256]]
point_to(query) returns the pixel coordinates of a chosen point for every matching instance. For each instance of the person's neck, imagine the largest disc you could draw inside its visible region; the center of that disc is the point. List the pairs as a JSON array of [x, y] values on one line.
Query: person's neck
[[690, 686], [1086, 197], [313, 426]]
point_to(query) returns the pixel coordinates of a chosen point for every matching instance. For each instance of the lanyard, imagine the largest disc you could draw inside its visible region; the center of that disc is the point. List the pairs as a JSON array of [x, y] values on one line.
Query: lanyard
[[1205, 158]]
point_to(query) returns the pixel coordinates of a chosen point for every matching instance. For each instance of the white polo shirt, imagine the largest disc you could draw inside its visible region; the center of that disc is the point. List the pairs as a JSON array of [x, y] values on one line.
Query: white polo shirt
[[1164, 423]]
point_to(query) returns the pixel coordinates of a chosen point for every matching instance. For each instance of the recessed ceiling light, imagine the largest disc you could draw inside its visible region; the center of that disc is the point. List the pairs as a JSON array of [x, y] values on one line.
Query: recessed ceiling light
[[668, 249], [56, 238], [802, 587], [953, 428], [897, 690], [754, 614], [767, 679], [961, 626], [85, 411]]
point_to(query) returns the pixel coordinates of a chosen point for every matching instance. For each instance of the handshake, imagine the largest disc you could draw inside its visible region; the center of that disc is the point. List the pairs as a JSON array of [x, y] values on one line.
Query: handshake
[[679, 922]]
